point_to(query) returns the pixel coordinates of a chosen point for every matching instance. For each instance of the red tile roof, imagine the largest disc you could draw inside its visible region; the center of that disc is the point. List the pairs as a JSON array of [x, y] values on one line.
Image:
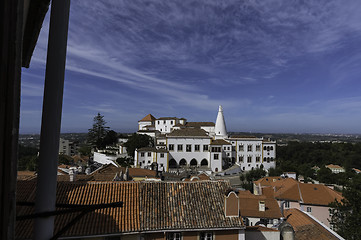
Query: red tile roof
[[249, 206], [290, 189], [148, 118], [185, 132], [220, 142], [148, 206], [306, 228]]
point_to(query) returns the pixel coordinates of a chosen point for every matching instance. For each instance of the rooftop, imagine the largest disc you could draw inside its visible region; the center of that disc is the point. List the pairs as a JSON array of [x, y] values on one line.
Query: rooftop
[[188, 132], [148, 118], [148, 206], [307, 228]]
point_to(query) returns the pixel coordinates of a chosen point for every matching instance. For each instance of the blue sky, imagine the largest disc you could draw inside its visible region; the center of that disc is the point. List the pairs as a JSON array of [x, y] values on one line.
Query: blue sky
[[275, 66]]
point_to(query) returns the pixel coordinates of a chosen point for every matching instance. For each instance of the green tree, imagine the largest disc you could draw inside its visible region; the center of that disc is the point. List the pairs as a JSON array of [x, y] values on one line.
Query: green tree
[[97, 133], [138, 141], [346, 215], [85, 150], [65, 159], [111, 138], [125, 162]]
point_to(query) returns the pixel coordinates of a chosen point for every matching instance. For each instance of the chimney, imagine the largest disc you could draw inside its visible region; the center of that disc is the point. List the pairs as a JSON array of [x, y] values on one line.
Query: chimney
[[261, 206], [231, 204], [72, 175]]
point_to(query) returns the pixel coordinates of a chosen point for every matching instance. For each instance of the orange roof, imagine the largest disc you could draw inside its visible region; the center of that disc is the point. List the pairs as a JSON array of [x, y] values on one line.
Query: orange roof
[[148, 206], [220, 142], [306, 228], [318, 194], [313, 194], [148, 118], [268, 181], [249, 206], [101, 221], [334, 166]]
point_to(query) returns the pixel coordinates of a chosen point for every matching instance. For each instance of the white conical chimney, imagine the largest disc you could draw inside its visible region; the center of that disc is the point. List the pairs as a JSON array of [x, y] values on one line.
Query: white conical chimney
[[220, 128]]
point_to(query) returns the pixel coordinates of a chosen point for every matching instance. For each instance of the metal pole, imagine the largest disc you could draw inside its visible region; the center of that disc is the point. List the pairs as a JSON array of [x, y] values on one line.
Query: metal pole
[[51, 118]]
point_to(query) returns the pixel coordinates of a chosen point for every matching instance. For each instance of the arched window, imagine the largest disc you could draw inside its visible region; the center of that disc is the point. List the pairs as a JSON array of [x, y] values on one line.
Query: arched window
[[193, 162], [172, 163], [216, 169], [182, 162], [204, 162]]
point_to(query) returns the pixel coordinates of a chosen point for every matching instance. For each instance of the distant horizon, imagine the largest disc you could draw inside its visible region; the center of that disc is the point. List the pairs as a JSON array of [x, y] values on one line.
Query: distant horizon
[[275, 66]]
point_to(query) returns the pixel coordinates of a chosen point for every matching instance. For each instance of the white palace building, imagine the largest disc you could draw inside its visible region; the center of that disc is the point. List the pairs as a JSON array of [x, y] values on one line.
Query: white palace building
[[203, 145]]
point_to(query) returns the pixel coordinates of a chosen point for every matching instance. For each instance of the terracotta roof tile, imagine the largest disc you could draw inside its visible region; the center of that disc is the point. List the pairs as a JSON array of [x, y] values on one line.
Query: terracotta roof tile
[[186, 132], [249, 206], [220, 142], [148, 118], [306, 228], [148, 206]]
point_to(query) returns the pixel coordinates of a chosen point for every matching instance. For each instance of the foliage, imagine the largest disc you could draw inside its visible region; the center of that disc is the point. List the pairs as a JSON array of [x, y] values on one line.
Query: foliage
[[110, 139], [65, 159], [346, 215], [28, 158], [85, 150], [125, 162], [138, 141], [300, 157], [252, 175], [255, 174], [97, 133]]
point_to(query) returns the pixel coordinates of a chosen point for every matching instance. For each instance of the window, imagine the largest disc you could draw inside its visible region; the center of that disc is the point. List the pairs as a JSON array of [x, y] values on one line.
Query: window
[[216, 149], [206, 236], [162, 155], [196, 148], [309, 209], [287, 204], [142, 154], [258, 159], [249, 159], [249, 148], [225, 148], [171, 122], [171, 147], [205, 148], [240, 158], [216, 156], [158, 122], [174, 236], [228, 148], [140, 164], [148, 162], [227, 154], [164, 121], [233, 148], [258, 148], [241, 148], [149, 154], [180, 147], [188, 148]]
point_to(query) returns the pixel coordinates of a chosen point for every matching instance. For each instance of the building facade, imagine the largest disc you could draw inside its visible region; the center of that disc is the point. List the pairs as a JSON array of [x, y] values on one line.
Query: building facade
[[204, 145]]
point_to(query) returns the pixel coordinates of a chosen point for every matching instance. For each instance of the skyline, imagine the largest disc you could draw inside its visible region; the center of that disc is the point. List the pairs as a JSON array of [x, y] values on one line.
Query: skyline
[[275, 66]]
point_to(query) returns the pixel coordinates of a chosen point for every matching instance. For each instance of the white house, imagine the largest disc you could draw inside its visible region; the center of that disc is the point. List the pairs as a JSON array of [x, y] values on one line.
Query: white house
[[202, 145]]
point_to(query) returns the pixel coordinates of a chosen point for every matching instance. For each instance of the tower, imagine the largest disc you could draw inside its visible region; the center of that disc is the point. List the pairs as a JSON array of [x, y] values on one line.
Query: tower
[[220, 128]]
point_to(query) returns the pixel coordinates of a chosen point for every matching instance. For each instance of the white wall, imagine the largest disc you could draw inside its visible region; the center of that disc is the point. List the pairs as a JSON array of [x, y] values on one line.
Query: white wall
[[188, 156], [104, 159], [165, 126]]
